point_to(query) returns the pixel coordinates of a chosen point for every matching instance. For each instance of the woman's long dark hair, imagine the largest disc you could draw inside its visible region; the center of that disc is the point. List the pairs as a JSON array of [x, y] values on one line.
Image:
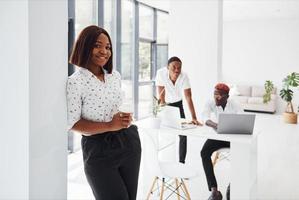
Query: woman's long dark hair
[[84, 45]]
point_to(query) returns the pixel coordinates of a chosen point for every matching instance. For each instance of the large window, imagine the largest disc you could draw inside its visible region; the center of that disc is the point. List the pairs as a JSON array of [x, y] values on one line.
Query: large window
[[162, 55], [145, 100], [108, 15], [162, 28], [127, 20], [162, 39], [85, 14], [145, 61], [146, 22], [146, 64], [145, 83]]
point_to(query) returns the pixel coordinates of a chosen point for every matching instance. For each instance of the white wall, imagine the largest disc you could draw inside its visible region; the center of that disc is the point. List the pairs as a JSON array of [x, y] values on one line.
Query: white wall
[[193, 36], [259, 50], [33, 125], [48, 72], [14, 100]]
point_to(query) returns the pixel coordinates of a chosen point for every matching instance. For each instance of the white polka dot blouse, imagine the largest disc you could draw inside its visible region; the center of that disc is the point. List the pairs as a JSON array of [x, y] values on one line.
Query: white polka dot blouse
[[92, 99]]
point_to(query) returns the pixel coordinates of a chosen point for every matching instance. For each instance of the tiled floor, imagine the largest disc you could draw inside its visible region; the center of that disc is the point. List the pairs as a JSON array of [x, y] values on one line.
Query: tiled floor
[[278, 164], [78, 187]]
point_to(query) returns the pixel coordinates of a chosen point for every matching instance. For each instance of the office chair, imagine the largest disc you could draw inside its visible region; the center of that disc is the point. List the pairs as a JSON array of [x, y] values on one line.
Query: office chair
[[169, 176]]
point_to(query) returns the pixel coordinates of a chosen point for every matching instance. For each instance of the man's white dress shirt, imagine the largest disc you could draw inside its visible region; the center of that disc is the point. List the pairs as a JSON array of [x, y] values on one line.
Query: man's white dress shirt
[[173, 92], [211, 111]]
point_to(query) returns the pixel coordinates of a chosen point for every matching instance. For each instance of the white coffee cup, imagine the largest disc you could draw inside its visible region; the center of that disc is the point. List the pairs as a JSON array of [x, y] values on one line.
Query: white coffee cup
[[126, 108]]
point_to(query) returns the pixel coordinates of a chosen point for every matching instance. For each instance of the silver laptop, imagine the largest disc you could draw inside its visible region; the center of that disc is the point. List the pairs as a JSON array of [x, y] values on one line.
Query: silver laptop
[[235, 123], [170, 116]]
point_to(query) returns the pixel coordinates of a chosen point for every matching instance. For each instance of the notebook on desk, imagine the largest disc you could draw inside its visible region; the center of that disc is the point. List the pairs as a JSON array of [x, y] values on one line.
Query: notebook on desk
[[235, 123], [170, 117]]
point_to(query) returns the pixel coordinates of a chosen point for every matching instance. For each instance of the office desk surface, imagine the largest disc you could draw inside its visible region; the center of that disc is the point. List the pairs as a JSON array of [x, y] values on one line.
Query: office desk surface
[[200, 131]]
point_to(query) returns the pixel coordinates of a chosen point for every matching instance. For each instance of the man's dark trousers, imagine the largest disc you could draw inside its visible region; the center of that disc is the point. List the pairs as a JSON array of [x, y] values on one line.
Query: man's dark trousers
[[206, 152], [183, 139]]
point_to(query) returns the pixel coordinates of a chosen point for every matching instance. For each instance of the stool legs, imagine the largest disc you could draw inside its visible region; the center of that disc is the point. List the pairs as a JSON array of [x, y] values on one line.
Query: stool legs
[[178, 189], [162, 189], [215, 158], [152, 187], [179, 185], [186, 190]]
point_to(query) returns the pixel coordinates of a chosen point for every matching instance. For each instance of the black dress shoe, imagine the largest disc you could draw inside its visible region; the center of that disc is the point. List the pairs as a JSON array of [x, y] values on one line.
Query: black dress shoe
[[228, 192], [215, 196]]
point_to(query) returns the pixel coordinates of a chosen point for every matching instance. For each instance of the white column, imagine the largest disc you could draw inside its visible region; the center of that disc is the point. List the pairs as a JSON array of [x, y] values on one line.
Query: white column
[[244, 170], [14, 100], [33, 145], [194, 37]]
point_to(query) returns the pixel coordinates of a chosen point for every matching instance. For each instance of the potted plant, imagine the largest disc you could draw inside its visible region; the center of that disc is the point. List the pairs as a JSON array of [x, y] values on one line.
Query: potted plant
[[286, 94], [157, 107], [269, 87]]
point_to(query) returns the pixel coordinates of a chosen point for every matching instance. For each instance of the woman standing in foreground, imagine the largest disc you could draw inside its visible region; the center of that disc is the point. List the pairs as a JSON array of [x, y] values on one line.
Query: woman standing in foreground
[[110, 144]]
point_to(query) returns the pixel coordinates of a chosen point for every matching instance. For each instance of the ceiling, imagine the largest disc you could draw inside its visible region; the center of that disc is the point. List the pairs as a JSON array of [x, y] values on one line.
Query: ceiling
[[260, 9], [160, 4], [245, 9]]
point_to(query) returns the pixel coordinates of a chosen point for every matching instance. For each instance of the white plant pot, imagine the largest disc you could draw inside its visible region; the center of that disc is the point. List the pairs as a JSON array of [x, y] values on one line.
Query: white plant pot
[[155, 122]]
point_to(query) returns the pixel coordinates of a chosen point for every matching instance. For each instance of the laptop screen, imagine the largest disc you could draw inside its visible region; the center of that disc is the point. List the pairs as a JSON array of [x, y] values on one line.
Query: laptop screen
[[236, 123], [171, 117]]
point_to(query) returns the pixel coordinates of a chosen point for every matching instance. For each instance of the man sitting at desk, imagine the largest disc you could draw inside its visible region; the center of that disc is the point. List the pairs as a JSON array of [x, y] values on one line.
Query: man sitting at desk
[[221, 104]]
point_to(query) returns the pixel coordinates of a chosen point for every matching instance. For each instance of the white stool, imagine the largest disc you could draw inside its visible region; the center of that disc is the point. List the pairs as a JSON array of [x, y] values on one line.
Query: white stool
[[220, 154]]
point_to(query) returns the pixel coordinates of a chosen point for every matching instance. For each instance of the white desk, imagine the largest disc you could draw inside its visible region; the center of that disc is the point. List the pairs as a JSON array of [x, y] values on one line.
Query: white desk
[[243, 152]]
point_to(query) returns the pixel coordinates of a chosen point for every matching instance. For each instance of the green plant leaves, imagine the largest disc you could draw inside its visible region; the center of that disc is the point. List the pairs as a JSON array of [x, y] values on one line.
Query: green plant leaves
[[268, 88], [157, 107], [292, 80], [286, 94]]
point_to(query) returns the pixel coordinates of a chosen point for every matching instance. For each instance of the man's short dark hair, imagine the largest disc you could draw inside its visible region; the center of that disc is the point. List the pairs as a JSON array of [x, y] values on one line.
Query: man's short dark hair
[[173, 59]]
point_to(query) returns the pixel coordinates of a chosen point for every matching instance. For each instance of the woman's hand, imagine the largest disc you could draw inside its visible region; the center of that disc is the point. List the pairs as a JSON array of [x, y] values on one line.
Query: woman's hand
[[121, 120], [194, 121]]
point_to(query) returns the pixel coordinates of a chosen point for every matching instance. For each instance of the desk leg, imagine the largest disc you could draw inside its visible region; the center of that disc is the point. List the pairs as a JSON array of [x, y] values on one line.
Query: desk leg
[[243, 170]]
